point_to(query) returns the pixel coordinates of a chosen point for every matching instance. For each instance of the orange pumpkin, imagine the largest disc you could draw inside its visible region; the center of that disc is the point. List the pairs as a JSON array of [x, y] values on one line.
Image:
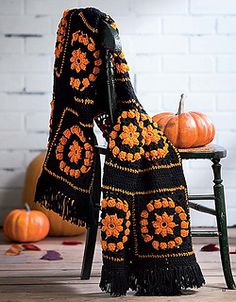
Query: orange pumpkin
[[186, 129], [58, 226], [24, 225]]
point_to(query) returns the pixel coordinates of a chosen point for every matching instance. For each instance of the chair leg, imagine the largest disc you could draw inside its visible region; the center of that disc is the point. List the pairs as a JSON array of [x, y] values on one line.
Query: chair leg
[[89, 252], [222, 223], [92, 230]]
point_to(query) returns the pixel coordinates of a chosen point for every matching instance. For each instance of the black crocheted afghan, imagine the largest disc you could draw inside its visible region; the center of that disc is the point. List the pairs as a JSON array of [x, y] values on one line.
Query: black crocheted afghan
[[145, 232]]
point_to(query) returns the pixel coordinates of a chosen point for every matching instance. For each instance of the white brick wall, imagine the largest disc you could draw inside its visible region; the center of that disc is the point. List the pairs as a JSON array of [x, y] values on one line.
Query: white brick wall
[[24, 63], [213, 44], [211, 7], [151, 44], [188, 63], [172, 46], [20, 24], [226, 25], [189, 25], [8, 46]]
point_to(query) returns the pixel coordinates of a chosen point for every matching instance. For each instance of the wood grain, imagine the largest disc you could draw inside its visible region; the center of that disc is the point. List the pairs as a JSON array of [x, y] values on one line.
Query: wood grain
[[27, 278]]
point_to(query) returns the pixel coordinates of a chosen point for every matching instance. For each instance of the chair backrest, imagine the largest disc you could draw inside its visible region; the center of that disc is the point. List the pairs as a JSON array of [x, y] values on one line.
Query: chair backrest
[[110, 42]]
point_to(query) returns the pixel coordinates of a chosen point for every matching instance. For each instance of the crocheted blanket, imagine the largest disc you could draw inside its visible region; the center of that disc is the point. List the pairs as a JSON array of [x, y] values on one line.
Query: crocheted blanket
[[145, 231]]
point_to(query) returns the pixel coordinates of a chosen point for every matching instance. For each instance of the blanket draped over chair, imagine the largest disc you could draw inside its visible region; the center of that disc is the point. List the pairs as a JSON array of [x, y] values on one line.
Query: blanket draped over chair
[[145, 232]]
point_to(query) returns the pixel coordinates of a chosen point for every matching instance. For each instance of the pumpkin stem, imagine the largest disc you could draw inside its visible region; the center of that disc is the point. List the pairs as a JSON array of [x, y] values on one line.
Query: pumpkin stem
[[27, 207], [181, 105]]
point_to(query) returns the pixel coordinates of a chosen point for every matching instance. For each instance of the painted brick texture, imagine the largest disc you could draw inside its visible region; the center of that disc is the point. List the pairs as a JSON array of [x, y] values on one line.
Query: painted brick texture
[[172, 47]]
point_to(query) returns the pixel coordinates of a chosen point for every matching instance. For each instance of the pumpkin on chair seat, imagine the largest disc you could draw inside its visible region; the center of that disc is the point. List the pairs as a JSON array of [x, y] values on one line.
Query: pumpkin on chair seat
[[58, 226], [186, 129]]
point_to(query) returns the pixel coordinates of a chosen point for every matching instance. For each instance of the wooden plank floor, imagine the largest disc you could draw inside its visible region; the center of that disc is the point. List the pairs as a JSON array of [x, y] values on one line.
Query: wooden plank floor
[[27, 278]]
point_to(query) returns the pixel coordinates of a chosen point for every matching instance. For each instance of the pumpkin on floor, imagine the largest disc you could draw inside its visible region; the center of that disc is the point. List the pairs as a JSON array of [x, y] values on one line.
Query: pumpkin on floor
[[58, 226], [186, 129], [24, 225]]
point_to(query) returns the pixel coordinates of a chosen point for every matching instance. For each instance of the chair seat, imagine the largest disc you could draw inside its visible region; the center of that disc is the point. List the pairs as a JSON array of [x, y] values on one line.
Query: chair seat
[[211, 151]]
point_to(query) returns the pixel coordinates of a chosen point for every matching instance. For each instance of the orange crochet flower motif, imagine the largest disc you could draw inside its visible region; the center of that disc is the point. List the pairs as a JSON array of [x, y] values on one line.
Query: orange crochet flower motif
[[114, 25], [83, 38], [115, 151], [182, 216], [96, 70], [91, 47], [179, 209], [155, 244], [92, 77], [147, 238], [112, 225], [103, 244], [115, 224], [121, 55], [163, 245], [75, 83], [58, 50], [86, 83], [137, 132], [122, 68], [150, 135], [162, 230], [111, 247], [164, 224], [76, 147], [171, 244], [120, 245], [75, 152], [129, 135], [184, 233], [144, 214], [159, 152], [184, 224], [78, 60], [61, 35], [111, 203], [178, 240]]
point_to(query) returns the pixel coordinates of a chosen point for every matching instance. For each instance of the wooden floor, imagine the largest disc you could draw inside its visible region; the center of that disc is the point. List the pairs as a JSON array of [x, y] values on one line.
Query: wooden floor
[[27, 278]]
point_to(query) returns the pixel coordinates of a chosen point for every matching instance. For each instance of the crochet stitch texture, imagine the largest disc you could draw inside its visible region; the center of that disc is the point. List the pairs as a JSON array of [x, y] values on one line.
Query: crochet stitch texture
[[145, 231]]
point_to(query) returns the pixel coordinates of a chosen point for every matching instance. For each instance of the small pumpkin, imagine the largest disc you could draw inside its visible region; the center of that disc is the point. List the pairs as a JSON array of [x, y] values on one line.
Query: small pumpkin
[[58, 226], [186, 129], [24, 225]]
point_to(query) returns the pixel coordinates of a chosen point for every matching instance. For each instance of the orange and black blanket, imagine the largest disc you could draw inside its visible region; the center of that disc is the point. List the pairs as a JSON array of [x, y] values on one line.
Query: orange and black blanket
[[145, 231]]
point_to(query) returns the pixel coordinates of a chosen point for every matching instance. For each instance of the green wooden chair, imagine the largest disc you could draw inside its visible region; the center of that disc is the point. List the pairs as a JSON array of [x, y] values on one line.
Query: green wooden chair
[[214, 153]]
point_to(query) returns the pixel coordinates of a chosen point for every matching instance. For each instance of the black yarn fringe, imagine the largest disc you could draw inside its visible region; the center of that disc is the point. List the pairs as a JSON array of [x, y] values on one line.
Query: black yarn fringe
[[168, 281], [115, 282], [65, 206]]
